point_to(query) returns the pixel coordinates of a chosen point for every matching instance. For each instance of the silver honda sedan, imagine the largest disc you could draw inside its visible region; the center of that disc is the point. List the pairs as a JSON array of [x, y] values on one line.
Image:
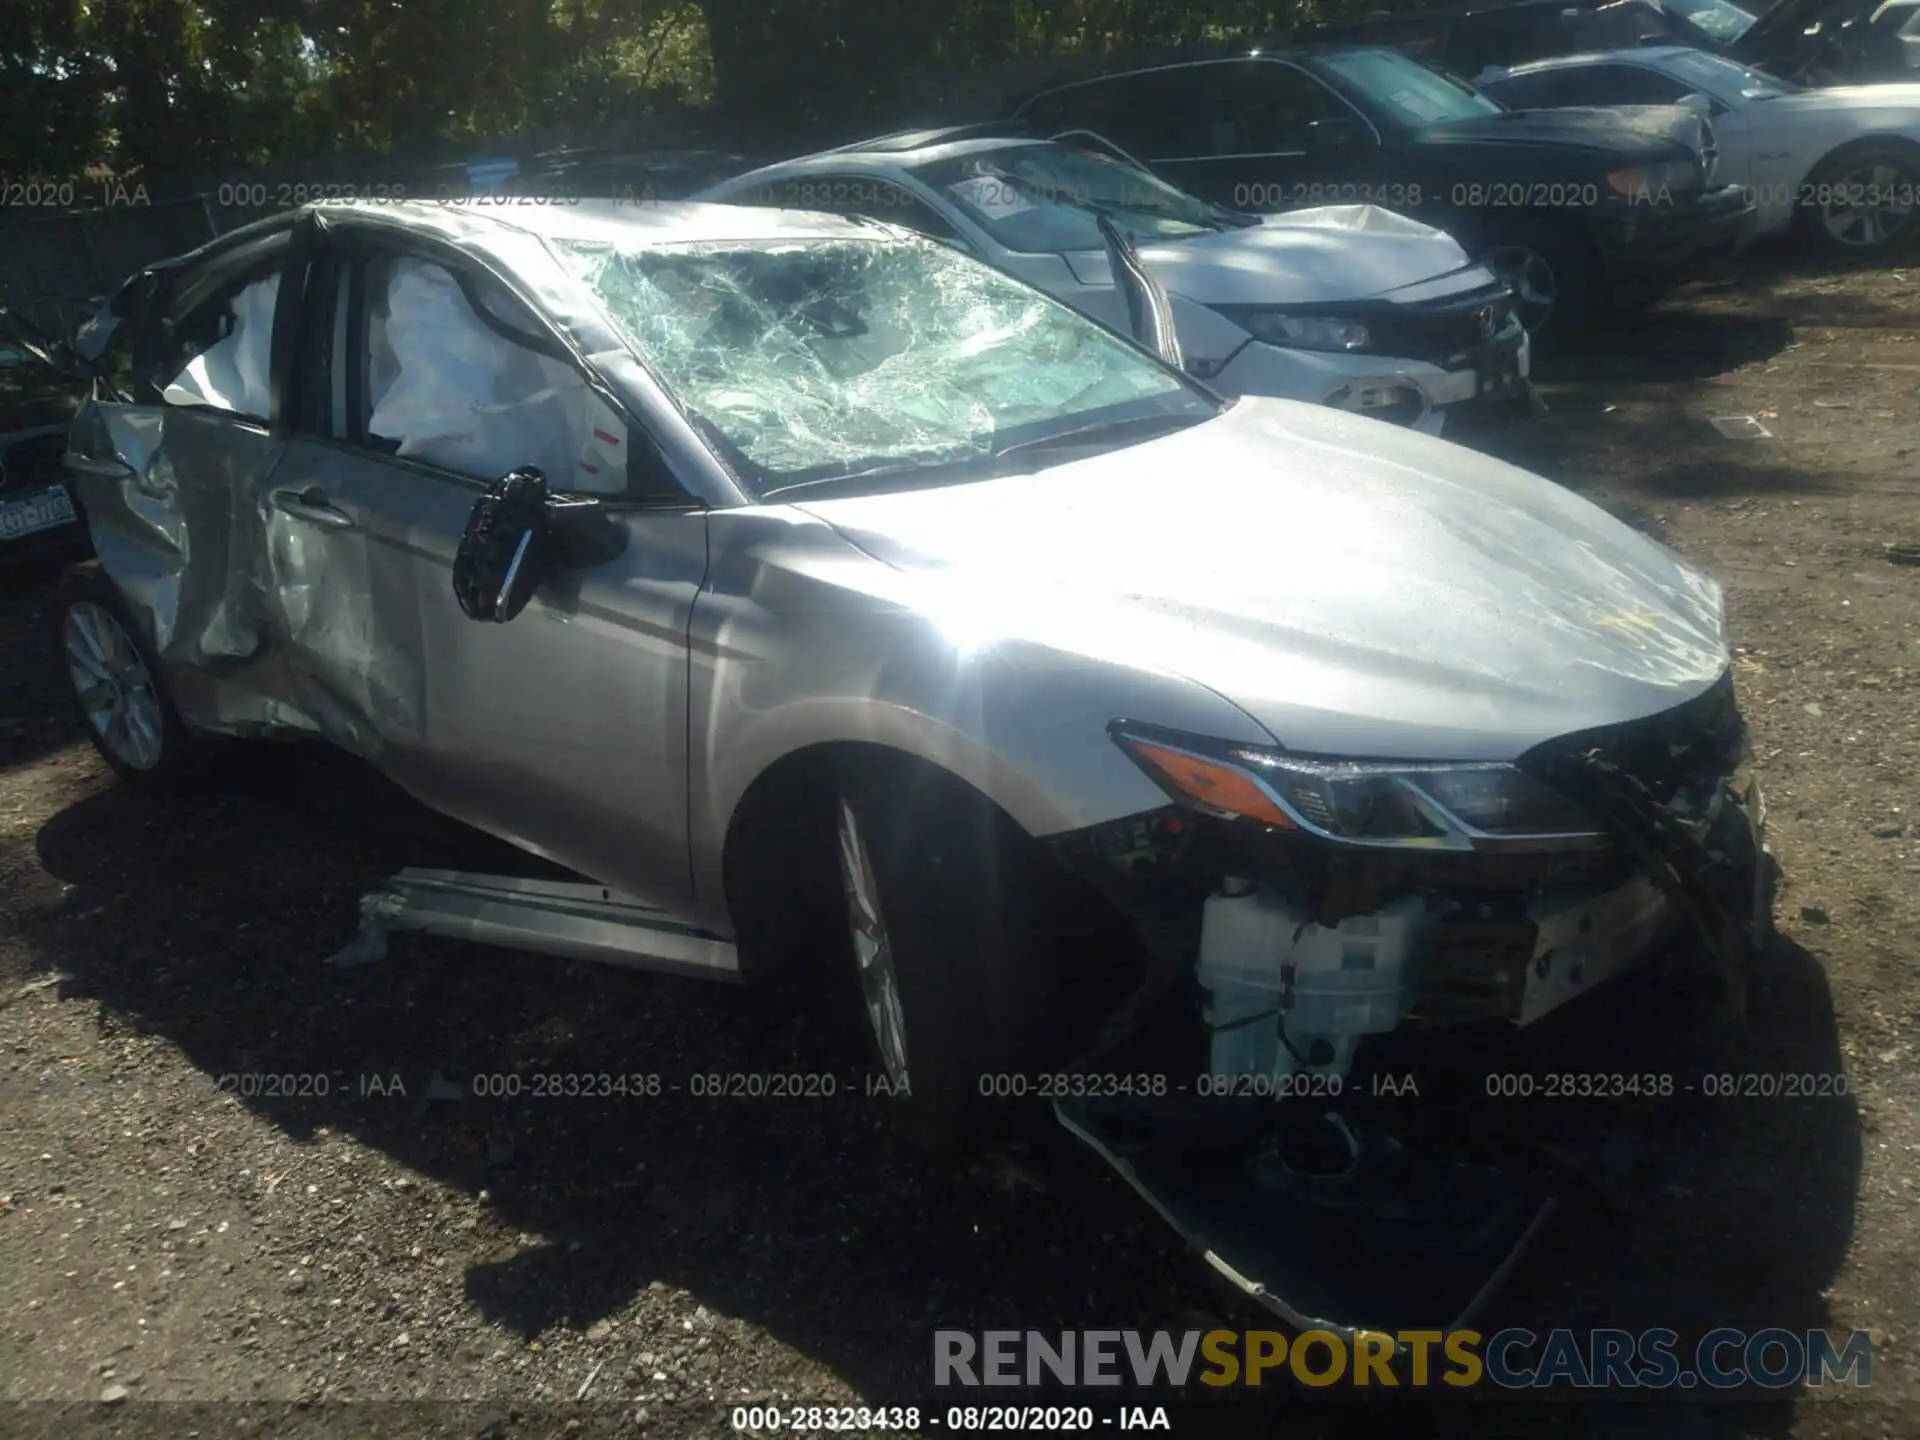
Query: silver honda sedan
[[824, 598]]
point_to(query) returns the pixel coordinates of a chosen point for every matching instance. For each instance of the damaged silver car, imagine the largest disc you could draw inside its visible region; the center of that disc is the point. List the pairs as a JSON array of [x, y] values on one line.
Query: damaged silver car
[[823, 597]]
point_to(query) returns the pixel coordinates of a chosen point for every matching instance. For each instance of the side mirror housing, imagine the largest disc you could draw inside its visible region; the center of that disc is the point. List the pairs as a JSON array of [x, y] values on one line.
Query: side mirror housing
[[518, 535], [503, 552]]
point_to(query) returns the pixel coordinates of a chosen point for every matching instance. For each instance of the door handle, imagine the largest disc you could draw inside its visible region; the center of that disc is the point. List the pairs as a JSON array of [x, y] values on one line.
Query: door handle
[[313, 506]]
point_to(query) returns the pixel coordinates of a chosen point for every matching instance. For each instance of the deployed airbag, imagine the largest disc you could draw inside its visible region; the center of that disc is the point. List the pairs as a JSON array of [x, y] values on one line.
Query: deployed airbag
[[450, 390], [233, 372]]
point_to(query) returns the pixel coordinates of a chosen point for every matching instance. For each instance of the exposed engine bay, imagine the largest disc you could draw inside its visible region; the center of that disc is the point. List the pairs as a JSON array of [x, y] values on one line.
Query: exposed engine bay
[[1355, 1033]]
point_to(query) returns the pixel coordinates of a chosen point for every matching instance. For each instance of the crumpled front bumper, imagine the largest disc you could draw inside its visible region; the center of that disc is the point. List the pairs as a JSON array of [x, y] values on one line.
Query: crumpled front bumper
[[1459, 1159], [1419, 394]]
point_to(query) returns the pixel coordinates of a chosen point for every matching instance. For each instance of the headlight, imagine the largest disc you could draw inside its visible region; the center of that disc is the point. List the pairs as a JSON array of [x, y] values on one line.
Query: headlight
[[1307, 332], [1645, 182], [1374, 803]]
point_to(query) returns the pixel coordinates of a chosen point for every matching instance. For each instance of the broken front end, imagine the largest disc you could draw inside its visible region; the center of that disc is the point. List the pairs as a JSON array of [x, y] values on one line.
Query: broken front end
[[1366, 981]]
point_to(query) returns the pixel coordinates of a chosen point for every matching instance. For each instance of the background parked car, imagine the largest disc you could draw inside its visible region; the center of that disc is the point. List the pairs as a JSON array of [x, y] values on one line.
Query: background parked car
[[38, 520], [1818, 41], [1349, 306], [1469, 40], [1572, 208], [1842, 166]]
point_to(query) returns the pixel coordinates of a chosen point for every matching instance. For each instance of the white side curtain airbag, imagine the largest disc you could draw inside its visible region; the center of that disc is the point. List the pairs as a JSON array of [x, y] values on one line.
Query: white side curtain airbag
[[455, 393], [233, 373]]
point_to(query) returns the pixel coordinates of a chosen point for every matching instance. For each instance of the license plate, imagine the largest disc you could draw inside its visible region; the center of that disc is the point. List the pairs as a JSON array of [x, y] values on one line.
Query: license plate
[[30, 514]]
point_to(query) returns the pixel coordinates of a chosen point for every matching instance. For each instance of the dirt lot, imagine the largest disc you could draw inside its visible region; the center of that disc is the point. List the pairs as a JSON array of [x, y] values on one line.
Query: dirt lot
[[161, 1240]]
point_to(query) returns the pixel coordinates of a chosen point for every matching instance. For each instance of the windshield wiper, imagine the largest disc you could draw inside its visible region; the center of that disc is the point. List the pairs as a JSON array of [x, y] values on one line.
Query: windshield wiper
[[932, 467], [874, 472], [1101, 430]]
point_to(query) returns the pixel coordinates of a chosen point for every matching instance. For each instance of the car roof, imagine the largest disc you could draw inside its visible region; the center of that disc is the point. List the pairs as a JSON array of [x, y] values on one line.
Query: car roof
[[1213, 54], [897, 142], [896, 159], [490, 224], [657, 222], [1459, 12], [1591, 57]]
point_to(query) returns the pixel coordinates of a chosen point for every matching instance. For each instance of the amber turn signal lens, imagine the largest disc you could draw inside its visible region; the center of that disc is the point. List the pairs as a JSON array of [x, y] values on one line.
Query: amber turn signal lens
[[1208, 784]]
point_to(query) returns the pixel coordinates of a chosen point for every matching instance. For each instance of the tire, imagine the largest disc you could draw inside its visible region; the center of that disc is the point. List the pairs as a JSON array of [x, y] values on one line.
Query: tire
[[1839, 227], [115, 687], [1554, 276], [941, 915]]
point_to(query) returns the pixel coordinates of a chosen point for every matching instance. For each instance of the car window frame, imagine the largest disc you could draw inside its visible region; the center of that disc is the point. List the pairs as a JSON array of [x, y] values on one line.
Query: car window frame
[[217, 281], [347, 250]]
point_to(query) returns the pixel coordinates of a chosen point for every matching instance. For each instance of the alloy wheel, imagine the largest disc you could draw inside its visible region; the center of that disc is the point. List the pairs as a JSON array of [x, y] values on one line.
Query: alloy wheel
[[113, 686], [1530, 276], [1868, 206], [872, 948]]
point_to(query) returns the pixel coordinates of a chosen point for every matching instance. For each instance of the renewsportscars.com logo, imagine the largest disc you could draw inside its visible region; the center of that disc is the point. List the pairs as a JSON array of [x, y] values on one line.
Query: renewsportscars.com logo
[[1725, 1359]]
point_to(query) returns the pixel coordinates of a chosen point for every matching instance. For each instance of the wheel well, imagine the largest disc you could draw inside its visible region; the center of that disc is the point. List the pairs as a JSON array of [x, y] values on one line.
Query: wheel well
[[1846, 150], [788, 807], [1866, 142], [781, 873]]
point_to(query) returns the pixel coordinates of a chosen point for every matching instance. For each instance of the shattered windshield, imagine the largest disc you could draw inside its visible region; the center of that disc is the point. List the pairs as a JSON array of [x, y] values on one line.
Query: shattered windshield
[[805, 363], [1045, 197]]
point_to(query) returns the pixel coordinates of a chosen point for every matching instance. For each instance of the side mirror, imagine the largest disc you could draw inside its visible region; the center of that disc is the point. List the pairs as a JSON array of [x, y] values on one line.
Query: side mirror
[[518, 535], [1330, 136], [503, 553]]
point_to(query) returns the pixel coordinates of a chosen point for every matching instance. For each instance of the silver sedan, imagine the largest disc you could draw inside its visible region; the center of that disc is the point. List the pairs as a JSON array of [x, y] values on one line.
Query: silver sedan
[[824, 597]]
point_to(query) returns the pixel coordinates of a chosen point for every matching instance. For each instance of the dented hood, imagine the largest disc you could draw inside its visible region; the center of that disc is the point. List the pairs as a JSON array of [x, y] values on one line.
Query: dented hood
[[1354, 587], [1607, 135], [1339, 252]]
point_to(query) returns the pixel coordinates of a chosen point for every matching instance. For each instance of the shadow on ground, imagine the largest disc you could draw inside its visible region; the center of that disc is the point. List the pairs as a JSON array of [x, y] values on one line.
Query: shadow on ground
[[205, 920], [1675, 342]]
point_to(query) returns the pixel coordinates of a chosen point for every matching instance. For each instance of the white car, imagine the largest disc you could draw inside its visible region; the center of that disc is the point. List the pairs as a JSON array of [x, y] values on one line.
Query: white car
[[1840, 165], [1350, 305]]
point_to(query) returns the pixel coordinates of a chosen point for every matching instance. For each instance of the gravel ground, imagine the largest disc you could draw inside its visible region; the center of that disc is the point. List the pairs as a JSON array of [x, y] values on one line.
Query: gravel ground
[[376, 1253]]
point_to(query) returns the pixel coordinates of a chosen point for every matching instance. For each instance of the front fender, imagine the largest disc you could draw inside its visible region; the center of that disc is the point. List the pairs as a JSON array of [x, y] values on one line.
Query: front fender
[[801, 640]]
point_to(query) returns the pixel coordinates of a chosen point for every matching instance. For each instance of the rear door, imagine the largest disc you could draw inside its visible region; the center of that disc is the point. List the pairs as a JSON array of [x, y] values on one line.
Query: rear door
[[424, 379], [171, 460]]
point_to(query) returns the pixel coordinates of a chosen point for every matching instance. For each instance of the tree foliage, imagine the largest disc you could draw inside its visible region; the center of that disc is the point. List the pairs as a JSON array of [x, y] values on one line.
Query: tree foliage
[[148, 87]]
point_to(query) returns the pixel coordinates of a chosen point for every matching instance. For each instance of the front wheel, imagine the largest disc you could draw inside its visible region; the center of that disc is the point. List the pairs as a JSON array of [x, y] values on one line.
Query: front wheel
[[941, 915], [1551, 277], [1863, 200]]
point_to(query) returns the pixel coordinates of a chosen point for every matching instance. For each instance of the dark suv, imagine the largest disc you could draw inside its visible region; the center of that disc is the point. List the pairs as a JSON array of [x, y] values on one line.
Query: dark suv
[[1576, 208], [1816, 42], [1481, 37]]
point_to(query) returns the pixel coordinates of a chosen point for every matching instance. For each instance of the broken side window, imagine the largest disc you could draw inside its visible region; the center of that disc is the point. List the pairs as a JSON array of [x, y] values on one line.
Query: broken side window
[[220, 352]]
